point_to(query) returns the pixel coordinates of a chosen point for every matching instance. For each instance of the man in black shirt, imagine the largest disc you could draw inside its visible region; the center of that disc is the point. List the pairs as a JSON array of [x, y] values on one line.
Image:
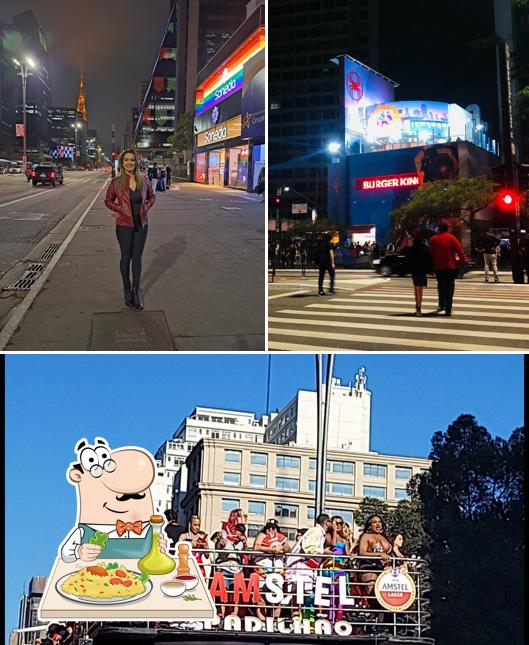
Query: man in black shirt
[[172, 530], [325, 262]]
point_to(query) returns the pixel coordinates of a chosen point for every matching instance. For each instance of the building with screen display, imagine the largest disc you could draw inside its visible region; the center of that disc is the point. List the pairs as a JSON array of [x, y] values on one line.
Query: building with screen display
[[389, 148], [229, 117]]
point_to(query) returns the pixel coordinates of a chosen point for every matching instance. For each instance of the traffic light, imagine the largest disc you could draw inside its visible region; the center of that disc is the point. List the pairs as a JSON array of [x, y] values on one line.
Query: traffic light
[[277, 201], [507, 199]]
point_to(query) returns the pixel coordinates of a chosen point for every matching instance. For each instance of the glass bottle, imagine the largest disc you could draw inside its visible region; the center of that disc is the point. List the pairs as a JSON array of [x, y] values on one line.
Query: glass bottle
[[156, 562]]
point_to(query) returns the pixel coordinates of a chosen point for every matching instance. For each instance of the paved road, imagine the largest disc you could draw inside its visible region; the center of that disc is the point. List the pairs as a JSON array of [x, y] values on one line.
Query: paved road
[[28, 213], [369, 313], [203, 275]]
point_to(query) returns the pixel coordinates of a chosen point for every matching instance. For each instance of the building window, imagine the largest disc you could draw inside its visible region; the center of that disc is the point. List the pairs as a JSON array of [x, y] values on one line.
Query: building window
[[256, 508], [341, 490], [283, 461], [374, 470], [259, 481], [345, 467], [253, 530], [312, 485], [342, 512], [286, 510], [229, 504], [232, 478], [311, 512], [400, 493], [258, 458], [291, 534], [287, 483], [403, 473], [216, 419], [375, 491], [232, 456], [312, 464]]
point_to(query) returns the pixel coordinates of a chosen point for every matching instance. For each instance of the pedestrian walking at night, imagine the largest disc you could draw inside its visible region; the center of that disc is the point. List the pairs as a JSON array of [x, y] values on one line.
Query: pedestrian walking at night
[[420, 263], [446, 252], [325, 262], [168, 171], [161, 180], [130, 196], [154, 174], [489, 245]]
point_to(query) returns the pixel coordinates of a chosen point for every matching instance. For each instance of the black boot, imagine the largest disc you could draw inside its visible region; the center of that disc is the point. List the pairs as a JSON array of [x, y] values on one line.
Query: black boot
[[129, 298], [138, 298]]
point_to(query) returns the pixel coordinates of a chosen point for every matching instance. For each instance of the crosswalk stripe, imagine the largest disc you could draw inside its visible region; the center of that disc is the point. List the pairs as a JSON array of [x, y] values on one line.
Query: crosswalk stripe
[[431, 296], [385, 341], [457, 305], [303, 348], [395, 310], [434, 320], [406, 328]]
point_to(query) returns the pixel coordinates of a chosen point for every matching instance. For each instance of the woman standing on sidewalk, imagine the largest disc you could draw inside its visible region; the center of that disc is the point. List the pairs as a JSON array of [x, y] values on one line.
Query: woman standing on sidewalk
[[130, 196]]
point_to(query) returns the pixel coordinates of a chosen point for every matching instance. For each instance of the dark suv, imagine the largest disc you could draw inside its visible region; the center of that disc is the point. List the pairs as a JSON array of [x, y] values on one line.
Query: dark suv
[[46, 174]]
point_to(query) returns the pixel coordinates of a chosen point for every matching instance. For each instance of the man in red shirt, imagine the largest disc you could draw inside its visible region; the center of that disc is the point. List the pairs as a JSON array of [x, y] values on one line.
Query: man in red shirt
[[447, 253]]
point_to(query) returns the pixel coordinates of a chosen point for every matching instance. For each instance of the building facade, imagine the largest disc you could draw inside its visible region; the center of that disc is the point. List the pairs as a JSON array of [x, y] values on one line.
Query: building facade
[[349, 419], [171, 480], [31, 39], [302, 91], [274, 481], [8, 93], [155, 122], [229, 116], [29, 604]]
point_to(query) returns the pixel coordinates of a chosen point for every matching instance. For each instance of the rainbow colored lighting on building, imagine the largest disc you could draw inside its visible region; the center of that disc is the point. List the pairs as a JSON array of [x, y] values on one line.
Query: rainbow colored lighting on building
[[230, 67], [227, 88]]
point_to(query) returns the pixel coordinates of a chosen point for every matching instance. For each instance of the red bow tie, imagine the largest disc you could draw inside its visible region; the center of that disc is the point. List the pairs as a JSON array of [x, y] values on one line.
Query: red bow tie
[[121, 527]]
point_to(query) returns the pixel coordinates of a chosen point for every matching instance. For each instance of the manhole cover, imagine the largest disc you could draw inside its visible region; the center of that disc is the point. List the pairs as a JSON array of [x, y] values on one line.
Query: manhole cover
[[127, 331], [91, 227]]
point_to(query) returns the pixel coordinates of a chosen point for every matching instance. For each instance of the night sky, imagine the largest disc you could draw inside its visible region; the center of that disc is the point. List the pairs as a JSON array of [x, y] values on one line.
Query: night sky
[[431, 50], [115, 41]]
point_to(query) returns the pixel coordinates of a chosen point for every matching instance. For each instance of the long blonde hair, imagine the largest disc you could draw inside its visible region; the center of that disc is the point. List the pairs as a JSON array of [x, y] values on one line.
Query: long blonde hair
[[121, 180]]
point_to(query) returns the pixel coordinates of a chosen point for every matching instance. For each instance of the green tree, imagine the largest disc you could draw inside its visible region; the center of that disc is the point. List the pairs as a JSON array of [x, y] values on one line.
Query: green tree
[[183, 137], [472, 501], [308, 227], [408, 517], [458, 199]]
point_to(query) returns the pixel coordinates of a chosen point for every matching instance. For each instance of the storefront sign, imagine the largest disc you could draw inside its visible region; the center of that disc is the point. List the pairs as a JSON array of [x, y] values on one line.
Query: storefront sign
[[395, 590], [229, 86], [222, 132], [253, 98], [408, 180]]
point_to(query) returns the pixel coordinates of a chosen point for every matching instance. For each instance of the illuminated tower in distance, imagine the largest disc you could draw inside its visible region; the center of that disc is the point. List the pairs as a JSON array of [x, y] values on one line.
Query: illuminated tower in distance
[[81, 101]]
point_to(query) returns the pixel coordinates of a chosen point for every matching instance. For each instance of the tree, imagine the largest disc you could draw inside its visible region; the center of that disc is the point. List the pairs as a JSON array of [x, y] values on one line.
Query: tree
[[458, 199], [308, 227], [472, 501], [183, 137]]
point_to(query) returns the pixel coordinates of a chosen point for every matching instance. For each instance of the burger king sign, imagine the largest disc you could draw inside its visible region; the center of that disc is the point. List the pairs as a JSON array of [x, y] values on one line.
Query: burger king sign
[[395, 590]]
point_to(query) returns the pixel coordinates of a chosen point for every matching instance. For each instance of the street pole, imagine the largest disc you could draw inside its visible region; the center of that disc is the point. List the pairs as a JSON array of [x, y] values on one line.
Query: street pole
[[24, 75], [322, 420]]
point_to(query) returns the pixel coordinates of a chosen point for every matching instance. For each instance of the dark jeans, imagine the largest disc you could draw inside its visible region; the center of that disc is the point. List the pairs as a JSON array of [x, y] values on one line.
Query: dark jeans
[[131, 243], [446, 279], [322, 276]]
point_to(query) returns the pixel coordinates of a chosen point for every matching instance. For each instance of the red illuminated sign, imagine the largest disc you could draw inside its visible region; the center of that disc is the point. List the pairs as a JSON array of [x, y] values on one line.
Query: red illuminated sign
[[408, 180]]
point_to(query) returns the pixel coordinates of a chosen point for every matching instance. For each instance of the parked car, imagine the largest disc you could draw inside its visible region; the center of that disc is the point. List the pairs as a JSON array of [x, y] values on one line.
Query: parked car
[[16, 168], [47, 174], [397, 264]]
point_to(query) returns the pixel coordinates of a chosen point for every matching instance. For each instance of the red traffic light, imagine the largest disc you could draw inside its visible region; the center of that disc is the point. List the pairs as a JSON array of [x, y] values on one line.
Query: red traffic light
[[277, 200], [507, 199]]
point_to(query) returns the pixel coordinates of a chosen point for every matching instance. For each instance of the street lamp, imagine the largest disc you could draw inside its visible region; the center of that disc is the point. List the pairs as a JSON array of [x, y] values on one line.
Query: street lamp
[[76, 127], [24, 73], [334, 147]]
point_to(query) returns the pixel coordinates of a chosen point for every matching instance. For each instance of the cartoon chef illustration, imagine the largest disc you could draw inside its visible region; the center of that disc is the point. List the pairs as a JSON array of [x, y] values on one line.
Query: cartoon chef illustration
[[114, 503]]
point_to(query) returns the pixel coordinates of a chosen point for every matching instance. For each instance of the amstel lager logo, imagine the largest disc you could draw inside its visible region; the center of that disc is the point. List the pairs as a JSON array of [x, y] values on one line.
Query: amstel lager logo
[[395, 590]]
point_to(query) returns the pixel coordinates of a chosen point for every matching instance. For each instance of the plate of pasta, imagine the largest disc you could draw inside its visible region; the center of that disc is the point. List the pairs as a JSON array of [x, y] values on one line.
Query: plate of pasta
[[104, 584]]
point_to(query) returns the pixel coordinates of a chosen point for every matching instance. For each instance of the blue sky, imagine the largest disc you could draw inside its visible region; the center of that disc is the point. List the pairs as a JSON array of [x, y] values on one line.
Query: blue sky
[[54, 400]]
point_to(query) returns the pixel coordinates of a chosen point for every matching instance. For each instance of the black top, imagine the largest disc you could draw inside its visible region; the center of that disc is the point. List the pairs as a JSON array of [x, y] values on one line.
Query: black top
[[323, 254], [135, 204], [419, 259]]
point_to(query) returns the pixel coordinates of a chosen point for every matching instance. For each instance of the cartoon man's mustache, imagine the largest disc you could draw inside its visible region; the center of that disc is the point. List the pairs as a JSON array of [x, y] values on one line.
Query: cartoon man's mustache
[[126, 496]]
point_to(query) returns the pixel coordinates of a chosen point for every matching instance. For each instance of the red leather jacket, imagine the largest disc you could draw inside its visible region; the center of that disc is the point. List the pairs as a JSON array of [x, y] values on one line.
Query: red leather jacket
[[118, 200]]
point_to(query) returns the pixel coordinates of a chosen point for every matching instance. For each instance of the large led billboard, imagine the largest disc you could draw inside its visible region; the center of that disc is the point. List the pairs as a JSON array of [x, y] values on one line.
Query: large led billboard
[[363, 88], [61, 152]]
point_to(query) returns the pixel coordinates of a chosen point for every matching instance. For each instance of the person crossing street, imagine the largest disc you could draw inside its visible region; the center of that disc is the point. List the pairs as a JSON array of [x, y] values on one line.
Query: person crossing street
[[447, 253]]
